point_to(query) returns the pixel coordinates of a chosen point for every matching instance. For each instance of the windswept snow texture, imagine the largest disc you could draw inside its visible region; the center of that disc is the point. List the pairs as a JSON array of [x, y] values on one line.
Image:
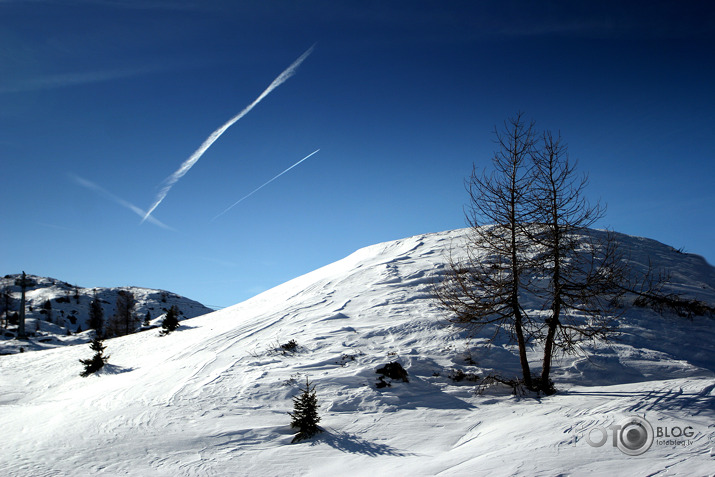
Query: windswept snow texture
[[212, 399]]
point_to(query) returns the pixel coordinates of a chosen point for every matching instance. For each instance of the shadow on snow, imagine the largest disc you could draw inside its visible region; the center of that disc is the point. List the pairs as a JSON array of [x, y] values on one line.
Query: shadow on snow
[[352, 444]]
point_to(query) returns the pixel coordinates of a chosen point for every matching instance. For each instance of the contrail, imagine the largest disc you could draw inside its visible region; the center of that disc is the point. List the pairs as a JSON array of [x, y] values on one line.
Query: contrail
[[189, 163], [102, 191], [261, 187]]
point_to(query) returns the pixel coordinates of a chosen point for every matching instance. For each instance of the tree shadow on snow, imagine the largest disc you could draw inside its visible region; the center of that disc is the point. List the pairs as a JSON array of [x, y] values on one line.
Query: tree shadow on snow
[[352, 444], [114, 369], [658, 400], [420, 393]]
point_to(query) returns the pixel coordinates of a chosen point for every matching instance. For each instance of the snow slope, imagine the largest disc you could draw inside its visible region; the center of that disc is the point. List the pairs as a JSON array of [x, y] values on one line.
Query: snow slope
[[69, 311], [212, 398]]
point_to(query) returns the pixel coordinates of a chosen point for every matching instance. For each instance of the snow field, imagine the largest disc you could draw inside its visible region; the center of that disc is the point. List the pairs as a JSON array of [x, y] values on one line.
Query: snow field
[[212, 398]]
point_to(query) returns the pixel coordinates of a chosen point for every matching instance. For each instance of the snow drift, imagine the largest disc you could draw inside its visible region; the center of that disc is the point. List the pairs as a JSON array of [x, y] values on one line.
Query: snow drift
[[212, 398]]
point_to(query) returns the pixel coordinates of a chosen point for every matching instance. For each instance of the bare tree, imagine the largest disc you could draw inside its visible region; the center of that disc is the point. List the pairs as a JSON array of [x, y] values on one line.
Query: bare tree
[[124, 321], [583, 273], [485, 288]]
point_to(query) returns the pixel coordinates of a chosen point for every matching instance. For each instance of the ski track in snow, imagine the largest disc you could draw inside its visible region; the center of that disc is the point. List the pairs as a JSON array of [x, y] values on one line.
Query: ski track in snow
[[212, 398]]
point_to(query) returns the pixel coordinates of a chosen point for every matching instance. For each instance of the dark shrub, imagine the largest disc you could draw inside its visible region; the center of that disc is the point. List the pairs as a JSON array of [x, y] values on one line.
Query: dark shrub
[[290, 346], [394, 371]]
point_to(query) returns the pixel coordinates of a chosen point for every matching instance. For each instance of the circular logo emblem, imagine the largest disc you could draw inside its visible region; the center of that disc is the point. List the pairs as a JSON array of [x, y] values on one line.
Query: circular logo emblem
[[635, 436]]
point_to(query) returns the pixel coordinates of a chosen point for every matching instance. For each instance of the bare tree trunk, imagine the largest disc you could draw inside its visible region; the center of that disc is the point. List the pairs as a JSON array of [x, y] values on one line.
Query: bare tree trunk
[[516, 307]]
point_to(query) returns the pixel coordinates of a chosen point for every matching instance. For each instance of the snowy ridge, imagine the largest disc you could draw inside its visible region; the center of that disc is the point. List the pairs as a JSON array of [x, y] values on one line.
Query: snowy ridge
[[66, 322], [212, 398]]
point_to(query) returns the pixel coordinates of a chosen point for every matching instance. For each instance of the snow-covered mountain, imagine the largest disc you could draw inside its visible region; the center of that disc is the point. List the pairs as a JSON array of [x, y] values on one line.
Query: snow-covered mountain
[[57, 313], [212, 398]]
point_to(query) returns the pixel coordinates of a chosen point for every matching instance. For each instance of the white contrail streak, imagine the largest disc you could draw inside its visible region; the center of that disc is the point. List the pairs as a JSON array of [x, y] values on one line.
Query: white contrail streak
[[104, 192], [262, 186], [189, 163]]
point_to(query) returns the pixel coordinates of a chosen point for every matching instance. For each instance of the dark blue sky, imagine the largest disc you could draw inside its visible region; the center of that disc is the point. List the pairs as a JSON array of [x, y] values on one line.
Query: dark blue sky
[[400, 97]]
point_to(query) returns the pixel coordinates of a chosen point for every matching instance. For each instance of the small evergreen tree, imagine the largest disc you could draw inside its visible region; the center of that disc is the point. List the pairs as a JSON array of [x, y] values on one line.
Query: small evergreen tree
[[171, 320], [6, 304], [97, 361], [147, 319], [305, 413], [96, 316], [47, 308]]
